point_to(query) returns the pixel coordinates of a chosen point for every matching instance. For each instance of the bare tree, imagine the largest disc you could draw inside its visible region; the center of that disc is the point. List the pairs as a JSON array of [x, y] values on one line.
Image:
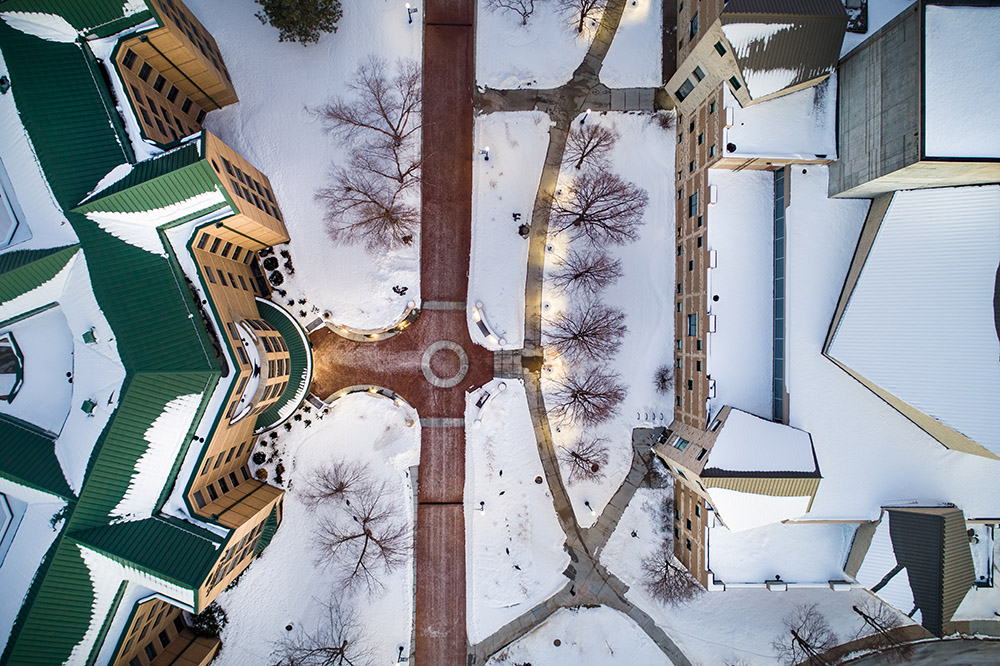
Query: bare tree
[[338, 641], [589, 143], [592, 331], [883, 620], [366, 538], [588, 272], [522, 8], [583, 10], [589, 396], [806, 636], [363, 207], [337, 480], [600, 207], [585, 459], [665, 577], [663, 379]]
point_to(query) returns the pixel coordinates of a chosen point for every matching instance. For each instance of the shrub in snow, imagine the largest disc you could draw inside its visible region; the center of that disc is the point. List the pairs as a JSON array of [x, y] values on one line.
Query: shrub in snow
[[587, 272], [588, 396], [522, 8], [666, 119], [338, 640], [300, 21], [259, 458], [366, 208], [270, 263], [583, 10], [589, 144], [586, 459], [666, 579], [600, 207], [261, 474], [663, 379], [592, 331], [276, 278], [336, 480], [210, 622], [806, 633]]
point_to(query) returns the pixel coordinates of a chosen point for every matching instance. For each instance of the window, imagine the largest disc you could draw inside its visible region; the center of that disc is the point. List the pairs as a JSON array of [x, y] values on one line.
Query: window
[[224, 485], [159, 83], [693, 205], [237, 252], [186, 106], [698, 346], [701, 241], [239, 389], [711, 107], [201, 117], [159, 123], [232, 280], [239, 451], [178, 624], [234, 479], [678, 363], [677, 533], [208, 274], [690, 385], [716, 424], [208, 461], [680, 444], [164, 639], [697, 507], [697, 366], [284, 347], [236, 187], [218, 461], [720, 48], [243, 355], [152, 105], [199, 499], [701, 138], [229, 415], [150, 651], [698, 72], [225, 250], [202, 241], [691, 166], [684, 90], [243, 283], [688, 523], [701, 221], [687, 544], [691, 127], [678, 306], [267, 345], [270, 367], [215, 245], [691, 265], [233, 333], [129, 59], [213, 493], [679, 288], [678, 344], [680, 250], [245, 473], [693, 26], [677, 400], [711, 150], [229, 457], [735, 83], [134, 661], [222, 278], [145, 71], [172, 95], [701, 454]]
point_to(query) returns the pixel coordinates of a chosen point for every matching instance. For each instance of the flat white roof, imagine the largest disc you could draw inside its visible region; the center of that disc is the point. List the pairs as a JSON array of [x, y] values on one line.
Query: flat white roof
[[747, 443], [920, 322], [961, 98]]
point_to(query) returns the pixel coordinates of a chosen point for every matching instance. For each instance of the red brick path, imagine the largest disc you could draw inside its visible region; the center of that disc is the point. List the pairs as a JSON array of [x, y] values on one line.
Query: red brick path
[[394, 363]]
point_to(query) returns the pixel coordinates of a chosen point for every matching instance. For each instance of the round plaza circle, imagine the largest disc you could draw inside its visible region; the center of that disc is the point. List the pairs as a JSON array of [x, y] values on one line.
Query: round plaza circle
[[456, 351]]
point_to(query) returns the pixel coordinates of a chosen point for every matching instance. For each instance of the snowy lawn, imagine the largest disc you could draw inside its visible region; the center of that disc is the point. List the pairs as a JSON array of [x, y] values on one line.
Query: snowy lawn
[[513, 539], [575, 636], [274, 128], [287, 585], [502, 186], [642, 154], [741, 231], [542, 54], [644, 517], [635, 58]]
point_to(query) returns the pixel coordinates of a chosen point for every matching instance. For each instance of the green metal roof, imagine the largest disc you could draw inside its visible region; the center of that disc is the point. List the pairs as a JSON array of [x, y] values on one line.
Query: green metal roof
[[147, 303], [267, 533], [61, 602], [143, 398], [174, 551], [28, 457], [67, 118], [97, 16], [299, 356], [20, 272], [157, 182]]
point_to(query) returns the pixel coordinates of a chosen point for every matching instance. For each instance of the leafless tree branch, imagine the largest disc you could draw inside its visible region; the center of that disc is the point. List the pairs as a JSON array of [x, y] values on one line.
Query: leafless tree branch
[[586, 459], [583, 9], [666, 579], [878, 623], [593, 331], [338, 641], [663, 379], [589, 396], [601, 207], [806, 636], [336, 480], [589, 143], [588, 272], [522, 8], [363, 207]]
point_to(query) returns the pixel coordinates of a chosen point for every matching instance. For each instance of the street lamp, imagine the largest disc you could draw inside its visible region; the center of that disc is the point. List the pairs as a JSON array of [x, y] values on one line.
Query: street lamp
[[485, 152], [587, 115], [410, 11]]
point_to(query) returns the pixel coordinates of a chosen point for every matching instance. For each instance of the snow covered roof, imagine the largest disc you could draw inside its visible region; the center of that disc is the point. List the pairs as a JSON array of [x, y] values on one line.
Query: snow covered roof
[[960, 92], [782, 43], [747, 443], [919, 559], [743, 511], [926, 290], [799, 125], [798, 552]]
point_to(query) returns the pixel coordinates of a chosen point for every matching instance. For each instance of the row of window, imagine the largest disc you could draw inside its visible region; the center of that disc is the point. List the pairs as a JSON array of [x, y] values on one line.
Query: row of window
[[196, 35], [183, 105], [232, 279], [234, 451], [151, 650], [217, 242], [236, 554], [223, 483], [247, 188]]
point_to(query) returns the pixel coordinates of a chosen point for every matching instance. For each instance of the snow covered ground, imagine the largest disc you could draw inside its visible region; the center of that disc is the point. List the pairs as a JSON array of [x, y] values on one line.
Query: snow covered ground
[[542, 54], [513, 540], [504, 185], [287, 585], [642, 154], [741, 232], [635, 58], [274, 128], [575, 636], [880, 12]]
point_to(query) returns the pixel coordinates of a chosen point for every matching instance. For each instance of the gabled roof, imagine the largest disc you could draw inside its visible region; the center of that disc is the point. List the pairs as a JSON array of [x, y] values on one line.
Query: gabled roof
[[299, 377], [165, 547], [22, 271], [782, 43], [27, 456], [103, 17], [73, 127]]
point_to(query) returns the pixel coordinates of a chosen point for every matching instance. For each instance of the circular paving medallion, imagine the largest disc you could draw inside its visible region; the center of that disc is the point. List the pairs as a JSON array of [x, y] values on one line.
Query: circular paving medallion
[[444, 363]]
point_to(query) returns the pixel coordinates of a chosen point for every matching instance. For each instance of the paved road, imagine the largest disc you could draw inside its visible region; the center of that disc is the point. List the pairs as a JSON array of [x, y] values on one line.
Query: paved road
[[967, 652]]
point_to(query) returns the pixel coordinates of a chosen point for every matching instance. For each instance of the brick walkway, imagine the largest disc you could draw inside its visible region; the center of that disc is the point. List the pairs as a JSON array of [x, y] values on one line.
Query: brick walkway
[[433, 362]]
